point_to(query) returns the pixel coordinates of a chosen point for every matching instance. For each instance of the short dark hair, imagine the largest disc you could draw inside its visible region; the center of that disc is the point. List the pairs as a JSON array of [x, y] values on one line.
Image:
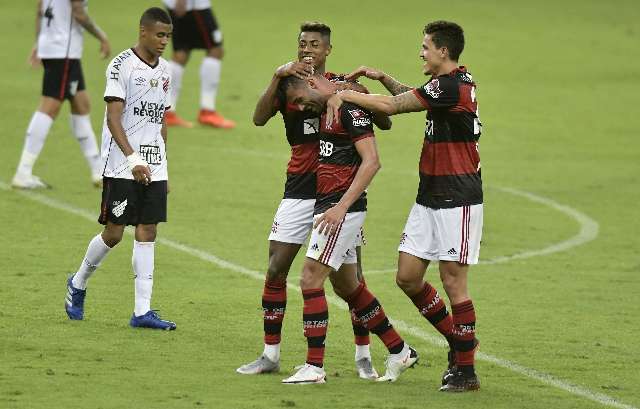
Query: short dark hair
[[154, 14], [447, 34], [317, 27], [288, 82]]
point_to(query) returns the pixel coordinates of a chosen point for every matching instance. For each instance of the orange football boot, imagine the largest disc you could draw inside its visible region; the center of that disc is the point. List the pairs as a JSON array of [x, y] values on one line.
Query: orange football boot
[[214, 119], [172, 119]]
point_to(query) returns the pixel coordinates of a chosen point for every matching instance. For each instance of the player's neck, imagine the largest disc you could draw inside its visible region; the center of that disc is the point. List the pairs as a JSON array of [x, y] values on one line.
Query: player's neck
[[447, 67], [147, 56], [320, 70]]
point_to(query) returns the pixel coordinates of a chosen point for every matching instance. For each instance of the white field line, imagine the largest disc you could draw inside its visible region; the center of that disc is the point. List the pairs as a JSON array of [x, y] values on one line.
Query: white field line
[[588, 231], [400, 325]]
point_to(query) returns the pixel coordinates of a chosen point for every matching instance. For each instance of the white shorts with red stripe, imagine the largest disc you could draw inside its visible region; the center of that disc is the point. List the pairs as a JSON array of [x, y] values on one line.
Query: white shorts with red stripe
[[443, 234], [340, 247]]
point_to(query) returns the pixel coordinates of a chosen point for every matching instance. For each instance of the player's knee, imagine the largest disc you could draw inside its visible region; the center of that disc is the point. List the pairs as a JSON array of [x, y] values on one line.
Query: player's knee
[[276, 271], [146, 232], [111, 237], [407, 284]]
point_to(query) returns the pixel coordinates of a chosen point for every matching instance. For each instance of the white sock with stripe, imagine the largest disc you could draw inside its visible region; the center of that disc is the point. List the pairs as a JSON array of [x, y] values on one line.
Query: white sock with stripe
[[96, 252], [143, 265], [37, 132], [210, 70], [81, 126]]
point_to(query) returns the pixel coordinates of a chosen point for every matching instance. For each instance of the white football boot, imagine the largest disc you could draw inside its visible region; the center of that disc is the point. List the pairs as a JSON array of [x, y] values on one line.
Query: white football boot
[[307, 374]]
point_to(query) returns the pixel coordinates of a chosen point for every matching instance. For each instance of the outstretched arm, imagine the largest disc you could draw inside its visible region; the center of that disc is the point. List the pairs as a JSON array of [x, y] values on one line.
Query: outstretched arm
[[382, 121], [79, 13], [265, 108], [391, 84], [405, 102]]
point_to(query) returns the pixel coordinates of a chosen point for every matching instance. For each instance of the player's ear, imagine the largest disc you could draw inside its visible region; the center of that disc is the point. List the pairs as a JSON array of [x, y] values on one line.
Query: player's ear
[[329, 50]]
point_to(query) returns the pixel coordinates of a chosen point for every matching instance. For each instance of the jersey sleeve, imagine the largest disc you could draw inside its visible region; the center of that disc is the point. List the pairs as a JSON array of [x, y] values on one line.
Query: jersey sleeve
[[356, 122], [438, 93], [116, 88]]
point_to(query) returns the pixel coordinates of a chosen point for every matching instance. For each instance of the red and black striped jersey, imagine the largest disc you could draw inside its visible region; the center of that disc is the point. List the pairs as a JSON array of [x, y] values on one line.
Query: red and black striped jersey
[[339, 160], [302, 128], [450, 161]]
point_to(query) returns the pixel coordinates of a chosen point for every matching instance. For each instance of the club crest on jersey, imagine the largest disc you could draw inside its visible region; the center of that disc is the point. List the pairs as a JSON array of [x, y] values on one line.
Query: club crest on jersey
[[359, 118], [153, 82], [433, 88], [165, 84], [311, 126], [151, 154]]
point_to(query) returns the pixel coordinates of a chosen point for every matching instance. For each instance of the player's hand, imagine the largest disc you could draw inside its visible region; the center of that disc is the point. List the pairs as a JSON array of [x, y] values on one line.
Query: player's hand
[[33, 60], [333, 109], [298, 69], [368, 72], [142, 174], [105, 48], [327, 223]]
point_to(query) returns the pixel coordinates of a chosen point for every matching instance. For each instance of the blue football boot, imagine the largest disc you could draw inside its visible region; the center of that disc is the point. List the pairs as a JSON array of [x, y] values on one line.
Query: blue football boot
[[74, 301], [151, 320]]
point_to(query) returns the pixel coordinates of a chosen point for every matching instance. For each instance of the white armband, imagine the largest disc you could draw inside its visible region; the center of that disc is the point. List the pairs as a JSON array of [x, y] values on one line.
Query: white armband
[[136, 160]]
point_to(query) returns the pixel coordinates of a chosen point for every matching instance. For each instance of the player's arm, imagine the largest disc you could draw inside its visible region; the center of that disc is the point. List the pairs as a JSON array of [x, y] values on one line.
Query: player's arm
[[265, 108], [366, 147], [406, 102], [382, 121], [163, 131], [34, 61], [392, 85], [139, 168], [79, 13]]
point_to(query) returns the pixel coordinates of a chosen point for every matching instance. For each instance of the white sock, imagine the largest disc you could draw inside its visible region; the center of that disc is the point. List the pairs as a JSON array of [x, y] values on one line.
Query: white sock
[[96, 252], [142, 261], [362, 351], [176, 83], [209, 79], [34, 141], [272, 352], [81, 127]]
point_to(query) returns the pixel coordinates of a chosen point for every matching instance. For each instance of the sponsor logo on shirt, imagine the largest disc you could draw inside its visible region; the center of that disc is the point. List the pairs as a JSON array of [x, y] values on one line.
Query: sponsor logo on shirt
[[359, 118], [118, 208], [311, 126], [326, 148], [151, 154], [433, 88], [114, 74], [140, 81], [152, 110]]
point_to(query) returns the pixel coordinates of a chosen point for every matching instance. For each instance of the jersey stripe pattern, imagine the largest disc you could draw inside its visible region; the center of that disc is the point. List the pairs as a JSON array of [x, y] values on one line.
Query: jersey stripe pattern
[[339, 160], [450, 160], [144, 89]]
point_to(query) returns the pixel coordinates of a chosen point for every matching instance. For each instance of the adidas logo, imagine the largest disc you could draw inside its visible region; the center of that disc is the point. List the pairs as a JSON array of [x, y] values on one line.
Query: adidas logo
[[452, 251], [118, 209], [315, 247]]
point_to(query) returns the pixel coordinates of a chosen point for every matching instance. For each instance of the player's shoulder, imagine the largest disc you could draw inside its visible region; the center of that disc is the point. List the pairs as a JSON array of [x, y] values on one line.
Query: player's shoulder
[[121, 60], [461, 74], [355, 115], [163, 64], [347, 107]]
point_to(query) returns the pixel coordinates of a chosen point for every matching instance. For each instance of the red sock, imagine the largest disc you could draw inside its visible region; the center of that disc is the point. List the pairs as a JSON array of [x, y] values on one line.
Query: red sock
[[315, 318], [274, 304], [431, 306], [464, 332], [360, 333], [372, 316]]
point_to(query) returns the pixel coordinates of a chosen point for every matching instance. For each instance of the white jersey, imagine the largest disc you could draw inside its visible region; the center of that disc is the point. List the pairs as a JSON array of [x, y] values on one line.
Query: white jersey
[[60, 34], [191, 4], [144, 90]]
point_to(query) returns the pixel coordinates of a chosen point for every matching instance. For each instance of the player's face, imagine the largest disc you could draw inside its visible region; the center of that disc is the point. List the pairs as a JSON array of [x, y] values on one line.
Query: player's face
[[155, 37], [313, 48], [432, 56], [306, 97]]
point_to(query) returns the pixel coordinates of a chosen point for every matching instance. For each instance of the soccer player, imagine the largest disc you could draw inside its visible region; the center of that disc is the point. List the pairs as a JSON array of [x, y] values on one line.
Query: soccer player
[[134, 141], [196, 27], [59, 28], [348, 162], [294, 217], [445, 223]]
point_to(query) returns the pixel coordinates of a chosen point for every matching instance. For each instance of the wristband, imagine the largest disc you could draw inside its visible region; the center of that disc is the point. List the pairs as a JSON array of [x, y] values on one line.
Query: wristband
[[135, 160]]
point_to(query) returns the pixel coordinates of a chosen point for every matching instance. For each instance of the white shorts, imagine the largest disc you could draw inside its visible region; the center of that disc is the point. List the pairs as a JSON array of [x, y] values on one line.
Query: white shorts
[[443, 234], [293, 221], [339, 248]]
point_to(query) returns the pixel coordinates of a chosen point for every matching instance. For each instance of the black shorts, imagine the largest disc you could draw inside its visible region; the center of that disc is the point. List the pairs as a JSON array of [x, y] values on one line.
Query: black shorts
[[126, 201], [62, 78], [196, 29]]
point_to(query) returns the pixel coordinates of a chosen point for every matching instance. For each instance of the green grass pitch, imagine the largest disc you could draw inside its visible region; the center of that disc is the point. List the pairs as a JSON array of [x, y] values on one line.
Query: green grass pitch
[[558, 87]]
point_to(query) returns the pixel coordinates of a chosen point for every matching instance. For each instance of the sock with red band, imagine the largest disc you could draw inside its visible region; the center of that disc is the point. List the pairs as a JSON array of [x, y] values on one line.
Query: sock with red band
[[433, 308], [371, 315], [464, 334], [274, 304], [315, 317]]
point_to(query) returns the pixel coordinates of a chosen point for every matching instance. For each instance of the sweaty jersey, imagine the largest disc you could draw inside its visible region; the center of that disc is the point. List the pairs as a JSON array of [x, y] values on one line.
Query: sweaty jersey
[[450, 162], [60, 34], [144, 89], [302, 128], [339, 160], [191, 4]]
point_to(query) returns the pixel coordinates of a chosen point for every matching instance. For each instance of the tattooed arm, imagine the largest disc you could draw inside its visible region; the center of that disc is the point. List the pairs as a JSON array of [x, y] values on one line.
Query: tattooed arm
[[405, 102], [391, 84]]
